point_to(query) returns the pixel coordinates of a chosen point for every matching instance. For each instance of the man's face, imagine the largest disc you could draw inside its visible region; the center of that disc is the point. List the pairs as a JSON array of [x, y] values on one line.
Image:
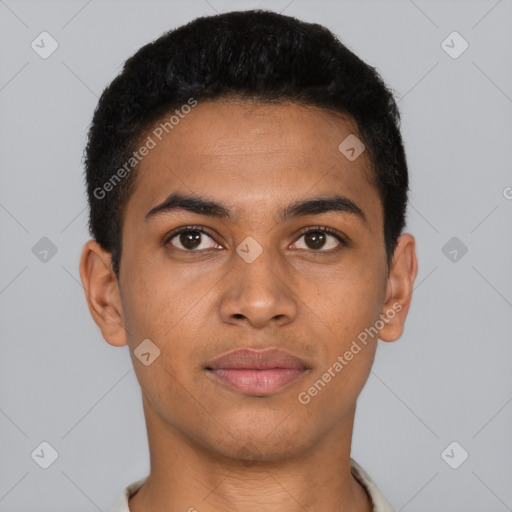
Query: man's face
[[196, 296]]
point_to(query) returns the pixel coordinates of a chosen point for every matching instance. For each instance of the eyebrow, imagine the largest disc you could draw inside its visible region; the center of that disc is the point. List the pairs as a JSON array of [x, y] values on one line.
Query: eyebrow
[[204, 206]]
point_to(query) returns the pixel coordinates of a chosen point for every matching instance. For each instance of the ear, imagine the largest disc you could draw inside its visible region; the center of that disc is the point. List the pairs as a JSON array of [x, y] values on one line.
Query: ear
[[402, 274], [102, 292]]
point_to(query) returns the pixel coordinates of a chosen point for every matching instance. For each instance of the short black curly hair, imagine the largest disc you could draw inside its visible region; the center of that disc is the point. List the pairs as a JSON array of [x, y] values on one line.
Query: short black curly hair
[[256, 54]]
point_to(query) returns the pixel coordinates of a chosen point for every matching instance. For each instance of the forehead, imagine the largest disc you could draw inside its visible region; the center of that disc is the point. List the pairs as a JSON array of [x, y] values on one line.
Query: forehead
[[250, 155]]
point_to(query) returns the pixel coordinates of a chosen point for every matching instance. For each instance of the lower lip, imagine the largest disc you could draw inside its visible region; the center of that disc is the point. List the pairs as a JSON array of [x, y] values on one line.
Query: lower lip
[[258, 382]]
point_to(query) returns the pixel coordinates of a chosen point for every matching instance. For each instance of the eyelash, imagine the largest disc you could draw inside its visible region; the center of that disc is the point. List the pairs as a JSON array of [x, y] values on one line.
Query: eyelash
[[304, 231]]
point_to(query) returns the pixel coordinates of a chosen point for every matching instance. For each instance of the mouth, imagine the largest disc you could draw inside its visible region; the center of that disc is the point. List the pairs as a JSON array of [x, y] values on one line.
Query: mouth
[[257, 372]]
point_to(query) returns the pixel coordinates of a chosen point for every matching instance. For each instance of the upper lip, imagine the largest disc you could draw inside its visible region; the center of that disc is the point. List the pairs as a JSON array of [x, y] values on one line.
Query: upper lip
[[253, 359]]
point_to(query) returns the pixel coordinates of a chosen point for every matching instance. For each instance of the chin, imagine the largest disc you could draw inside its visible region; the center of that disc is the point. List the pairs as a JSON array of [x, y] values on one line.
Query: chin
[[263, 440]]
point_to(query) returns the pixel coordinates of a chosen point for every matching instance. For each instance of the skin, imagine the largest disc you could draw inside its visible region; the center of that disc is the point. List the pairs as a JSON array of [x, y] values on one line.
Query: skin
[[213, 448]]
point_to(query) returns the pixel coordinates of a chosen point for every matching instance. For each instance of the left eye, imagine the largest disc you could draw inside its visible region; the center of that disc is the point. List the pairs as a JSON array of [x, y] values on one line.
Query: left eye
[[317, 239]]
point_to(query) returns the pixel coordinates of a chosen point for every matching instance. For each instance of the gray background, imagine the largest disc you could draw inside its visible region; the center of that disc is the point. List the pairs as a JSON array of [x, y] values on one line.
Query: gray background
[[447, 379]]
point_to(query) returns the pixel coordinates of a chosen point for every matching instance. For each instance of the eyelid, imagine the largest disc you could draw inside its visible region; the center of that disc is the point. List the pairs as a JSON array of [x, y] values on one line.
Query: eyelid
[[325, 229], [340, 237], [182, 229]]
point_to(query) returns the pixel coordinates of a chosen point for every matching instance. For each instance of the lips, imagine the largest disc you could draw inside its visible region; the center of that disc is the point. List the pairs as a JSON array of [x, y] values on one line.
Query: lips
[[251, 359], [257, 372]]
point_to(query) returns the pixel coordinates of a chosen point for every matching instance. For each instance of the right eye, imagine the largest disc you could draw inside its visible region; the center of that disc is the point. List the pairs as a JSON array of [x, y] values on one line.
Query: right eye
[[190, 239]]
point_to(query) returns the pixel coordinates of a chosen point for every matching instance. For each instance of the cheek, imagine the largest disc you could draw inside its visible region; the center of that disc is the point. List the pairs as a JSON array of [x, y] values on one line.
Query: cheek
[[149, 293], [169, 309], [153, 312], [351, 301], [350, 307], [353, 307]]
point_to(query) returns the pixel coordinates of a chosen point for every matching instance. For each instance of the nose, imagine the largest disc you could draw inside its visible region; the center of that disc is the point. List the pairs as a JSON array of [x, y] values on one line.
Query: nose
[[258, 292]]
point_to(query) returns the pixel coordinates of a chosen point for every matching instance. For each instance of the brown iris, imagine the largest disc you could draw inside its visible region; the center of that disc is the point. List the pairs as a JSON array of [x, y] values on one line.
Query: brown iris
[[315, 239], [190, 239]]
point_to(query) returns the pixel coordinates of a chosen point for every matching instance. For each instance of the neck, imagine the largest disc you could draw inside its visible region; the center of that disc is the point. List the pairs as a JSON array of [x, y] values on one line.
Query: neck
[[187, 476]]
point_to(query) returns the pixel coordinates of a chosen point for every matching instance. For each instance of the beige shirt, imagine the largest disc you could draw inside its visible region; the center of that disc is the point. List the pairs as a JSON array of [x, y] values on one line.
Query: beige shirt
[[380, 503]]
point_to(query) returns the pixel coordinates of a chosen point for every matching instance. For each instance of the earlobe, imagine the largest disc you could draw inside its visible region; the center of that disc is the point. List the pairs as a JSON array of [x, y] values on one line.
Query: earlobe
[[102, 292], [402, 275]]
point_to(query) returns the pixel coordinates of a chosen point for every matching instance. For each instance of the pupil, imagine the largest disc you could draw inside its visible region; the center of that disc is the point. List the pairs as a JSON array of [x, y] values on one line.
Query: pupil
[[190, 239], [317, 239]]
